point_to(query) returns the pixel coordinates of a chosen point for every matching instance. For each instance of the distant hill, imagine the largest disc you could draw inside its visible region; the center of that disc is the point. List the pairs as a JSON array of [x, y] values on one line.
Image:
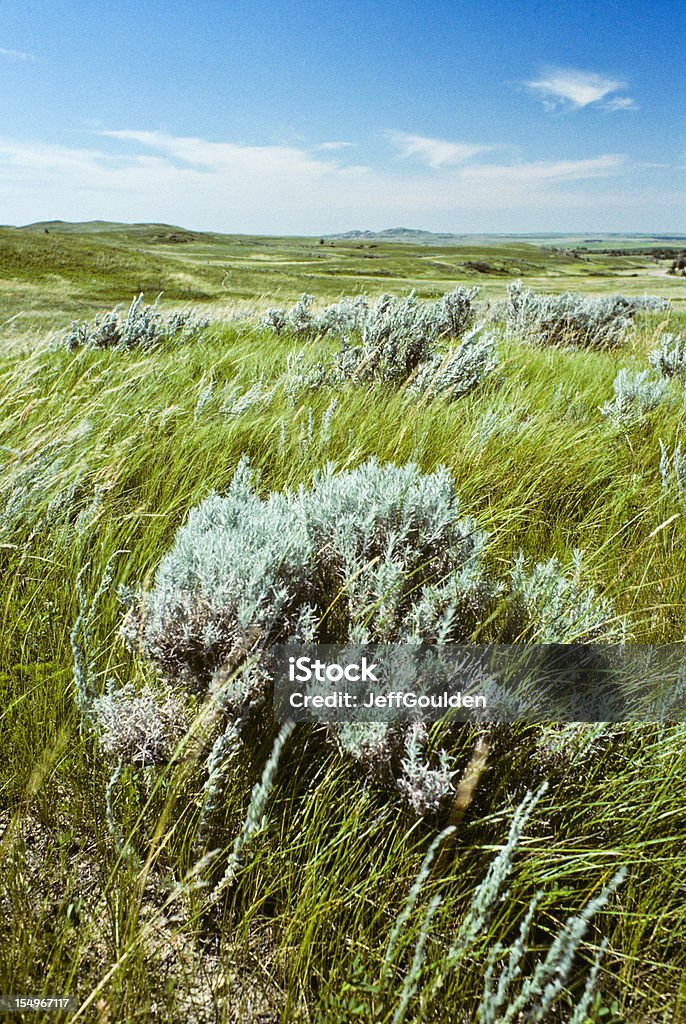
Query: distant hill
[[411, 236], [400, 235], [166, 233], [600, 242]]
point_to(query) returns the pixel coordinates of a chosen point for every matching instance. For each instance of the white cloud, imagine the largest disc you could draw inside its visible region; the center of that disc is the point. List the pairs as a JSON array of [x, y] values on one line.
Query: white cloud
[[335, 145], [16, 54], [226, 156], [621, 103], [435, 152], [551, 171], [567, 87], [225, 186]]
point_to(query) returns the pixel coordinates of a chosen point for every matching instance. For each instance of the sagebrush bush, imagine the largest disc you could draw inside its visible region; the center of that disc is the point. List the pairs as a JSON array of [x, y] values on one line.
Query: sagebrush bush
[[378, 554], [636, 393], [300, 320], [455, 312], [391, 339], [397, 335], [398, 341], [141, 727], [574, 320], [142, 327], [460, 369], [449, 317], [375, 554], [555, 606], [425, 787], [669, 358]]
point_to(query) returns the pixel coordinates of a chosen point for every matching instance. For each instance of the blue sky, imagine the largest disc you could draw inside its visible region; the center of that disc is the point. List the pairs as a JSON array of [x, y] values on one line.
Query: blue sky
[[316, 116]]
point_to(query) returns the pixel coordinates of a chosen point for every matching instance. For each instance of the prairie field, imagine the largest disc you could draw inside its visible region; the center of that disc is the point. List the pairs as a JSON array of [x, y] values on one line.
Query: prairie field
[[167, 853]]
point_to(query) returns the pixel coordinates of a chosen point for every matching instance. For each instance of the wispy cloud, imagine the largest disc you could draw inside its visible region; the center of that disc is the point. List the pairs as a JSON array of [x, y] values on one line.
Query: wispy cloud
[[335, 145], [621, 103], [540, 171], [149, 175], [16, 54], [434, 152], [565, 87], [226, 156]]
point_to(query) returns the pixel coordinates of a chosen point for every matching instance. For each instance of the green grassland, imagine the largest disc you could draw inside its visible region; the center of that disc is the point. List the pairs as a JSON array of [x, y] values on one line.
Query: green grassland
[[102, 454], [53, 272]]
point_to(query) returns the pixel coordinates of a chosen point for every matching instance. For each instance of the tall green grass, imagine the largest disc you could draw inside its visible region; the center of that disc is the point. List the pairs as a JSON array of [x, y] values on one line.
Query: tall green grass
[[111, 450]]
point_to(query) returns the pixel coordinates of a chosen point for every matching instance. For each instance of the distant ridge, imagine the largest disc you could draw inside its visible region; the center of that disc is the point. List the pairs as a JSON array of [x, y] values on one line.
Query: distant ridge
[[85, 226], [594, 240], [150, 232], [387, 233], [416, 235]]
